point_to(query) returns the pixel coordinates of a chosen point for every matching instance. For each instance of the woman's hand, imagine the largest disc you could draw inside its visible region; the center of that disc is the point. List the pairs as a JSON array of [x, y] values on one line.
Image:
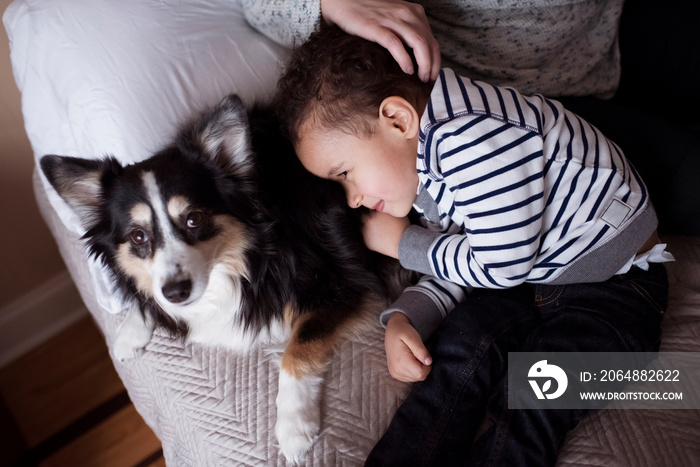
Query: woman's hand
[[382, 232], [391, 24], [407, 358]]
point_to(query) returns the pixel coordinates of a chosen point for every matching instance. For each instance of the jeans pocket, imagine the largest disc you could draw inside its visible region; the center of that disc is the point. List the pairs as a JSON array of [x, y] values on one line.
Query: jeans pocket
[[547, 294], [651, 285]]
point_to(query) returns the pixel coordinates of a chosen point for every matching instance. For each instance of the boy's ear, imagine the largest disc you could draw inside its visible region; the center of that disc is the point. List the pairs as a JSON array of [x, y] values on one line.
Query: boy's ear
[[400, 114]]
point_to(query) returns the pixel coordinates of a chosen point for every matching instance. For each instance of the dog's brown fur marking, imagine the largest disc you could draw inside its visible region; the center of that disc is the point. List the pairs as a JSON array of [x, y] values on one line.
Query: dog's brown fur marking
[[137, 268], [310, 356], [309, 351]]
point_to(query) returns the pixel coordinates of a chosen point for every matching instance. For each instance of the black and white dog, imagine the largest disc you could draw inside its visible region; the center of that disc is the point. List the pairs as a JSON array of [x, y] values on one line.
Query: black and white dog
[[224, 238]]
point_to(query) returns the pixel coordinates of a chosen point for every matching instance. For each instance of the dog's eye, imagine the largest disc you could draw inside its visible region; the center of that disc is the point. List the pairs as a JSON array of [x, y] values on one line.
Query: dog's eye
[[138, 237], [194, 220]]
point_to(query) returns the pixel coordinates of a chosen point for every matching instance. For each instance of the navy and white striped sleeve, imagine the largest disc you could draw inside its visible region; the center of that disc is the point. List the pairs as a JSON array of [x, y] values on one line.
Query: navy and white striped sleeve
[[426, 304], [494, 170]]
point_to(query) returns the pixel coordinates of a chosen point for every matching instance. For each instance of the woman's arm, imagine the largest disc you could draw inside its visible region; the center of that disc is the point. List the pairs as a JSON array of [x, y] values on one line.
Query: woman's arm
[[390, 23]]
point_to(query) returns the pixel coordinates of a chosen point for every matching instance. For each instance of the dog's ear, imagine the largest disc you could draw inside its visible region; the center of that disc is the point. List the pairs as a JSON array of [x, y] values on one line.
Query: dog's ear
[[224, 133], [79, 183]]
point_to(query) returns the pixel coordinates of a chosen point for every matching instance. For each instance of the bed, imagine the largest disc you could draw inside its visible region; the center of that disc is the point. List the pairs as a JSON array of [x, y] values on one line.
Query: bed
[[101, 77]]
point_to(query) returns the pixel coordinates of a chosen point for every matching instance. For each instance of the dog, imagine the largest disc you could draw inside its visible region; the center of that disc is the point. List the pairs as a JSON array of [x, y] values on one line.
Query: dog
[[223, 238]]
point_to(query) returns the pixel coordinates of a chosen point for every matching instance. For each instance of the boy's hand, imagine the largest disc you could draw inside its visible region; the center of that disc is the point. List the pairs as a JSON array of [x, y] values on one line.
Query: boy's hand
[[389, 23], [382, 232], [406, 356]]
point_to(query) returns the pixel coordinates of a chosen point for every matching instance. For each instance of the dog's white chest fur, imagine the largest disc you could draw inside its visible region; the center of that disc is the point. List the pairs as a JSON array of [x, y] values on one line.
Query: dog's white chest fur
[[215, 319]]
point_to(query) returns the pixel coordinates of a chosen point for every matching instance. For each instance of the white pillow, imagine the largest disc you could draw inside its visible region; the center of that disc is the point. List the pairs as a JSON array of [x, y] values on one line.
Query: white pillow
[[105, 77]]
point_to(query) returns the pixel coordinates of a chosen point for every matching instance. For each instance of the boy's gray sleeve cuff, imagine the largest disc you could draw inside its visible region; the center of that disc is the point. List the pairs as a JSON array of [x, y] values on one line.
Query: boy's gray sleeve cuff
[[414, 246], [425, 315]]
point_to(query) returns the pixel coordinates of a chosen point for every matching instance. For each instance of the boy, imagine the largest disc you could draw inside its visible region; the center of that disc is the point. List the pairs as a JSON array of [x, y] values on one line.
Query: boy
[[518, 198]]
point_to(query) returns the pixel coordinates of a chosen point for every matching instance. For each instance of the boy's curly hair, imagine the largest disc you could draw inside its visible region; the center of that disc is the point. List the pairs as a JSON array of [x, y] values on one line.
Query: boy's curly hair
[[336, 80]]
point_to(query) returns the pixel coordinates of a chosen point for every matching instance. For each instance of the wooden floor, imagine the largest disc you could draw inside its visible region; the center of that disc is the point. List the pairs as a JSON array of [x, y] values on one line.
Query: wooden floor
[[62, 404]]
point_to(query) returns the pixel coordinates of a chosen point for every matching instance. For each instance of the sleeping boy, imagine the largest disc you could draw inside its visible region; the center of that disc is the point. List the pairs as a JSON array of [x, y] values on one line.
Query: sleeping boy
[[517, 199]]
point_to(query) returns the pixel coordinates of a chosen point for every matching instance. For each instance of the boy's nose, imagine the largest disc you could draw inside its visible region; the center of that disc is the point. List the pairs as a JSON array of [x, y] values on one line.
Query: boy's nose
[[354, 200]]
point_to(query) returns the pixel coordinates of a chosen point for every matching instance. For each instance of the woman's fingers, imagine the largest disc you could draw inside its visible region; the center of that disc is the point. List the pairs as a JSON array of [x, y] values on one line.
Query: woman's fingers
[[392, 24]]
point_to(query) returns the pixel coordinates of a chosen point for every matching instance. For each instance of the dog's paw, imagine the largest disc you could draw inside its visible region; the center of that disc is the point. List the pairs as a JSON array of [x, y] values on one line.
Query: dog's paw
[[126, 348], [298, 415], [132, 336], [296, 432]]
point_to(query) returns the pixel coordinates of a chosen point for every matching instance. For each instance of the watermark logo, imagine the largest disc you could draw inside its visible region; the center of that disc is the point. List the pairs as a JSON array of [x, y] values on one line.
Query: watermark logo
[[545, 373], [593, 380]]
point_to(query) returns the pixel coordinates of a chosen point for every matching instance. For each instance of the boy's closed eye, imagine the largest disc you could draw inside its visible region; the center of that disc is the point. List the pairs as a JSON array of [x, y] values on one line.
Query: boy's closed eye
[[337, 171]]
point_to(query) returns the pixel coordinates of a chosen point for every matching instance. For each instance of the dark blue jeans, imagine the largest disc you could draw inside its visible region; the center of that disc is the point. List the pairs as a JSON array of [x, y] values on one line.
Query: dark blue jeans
[[459, 415]]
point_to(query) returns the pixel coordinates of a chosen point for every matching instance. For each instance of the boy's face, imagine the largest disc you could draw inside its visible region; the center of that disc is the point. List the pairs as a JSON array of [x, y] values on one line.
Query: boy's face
[[378, 172]]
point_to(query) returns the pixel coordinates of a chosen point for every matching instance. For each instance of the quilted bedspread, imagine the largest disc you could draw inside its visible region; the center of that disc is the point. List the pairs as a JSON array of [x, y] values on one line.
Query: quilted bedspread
[[210, 407]]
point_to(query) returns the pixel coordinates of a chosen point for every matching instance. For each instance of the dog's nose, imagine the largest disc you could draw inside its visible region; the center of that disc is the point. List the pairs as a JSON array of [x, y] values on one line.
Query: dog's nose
[[177, 291]]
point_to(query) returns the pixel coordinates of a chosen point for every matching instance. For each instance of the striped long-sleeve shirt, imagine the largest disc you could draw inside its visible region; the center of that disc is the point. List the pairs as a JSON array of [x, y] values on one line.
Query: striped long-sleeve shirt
[[516, 189]]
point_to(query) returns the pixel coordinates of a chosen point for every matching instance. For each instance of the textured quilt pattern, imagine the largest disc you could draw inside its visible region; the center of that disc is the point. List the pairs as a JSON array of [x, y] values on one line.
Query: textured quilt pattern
[[210, 407], [651, 438]]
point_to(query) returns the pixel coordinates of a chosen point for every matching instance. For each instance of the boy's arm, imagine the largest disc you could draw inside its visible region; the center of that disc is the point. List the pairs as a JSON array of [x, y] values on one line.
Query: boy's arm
[[426, 304], [407, 358], [494, 172], [410, 320], [382, 232]]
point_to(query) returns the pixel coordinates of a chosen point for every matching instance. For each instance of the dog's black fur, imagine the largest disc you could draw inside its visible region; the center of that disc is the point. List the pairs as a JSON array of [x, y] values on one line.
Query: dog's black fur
[[306, 249], [225, 230]]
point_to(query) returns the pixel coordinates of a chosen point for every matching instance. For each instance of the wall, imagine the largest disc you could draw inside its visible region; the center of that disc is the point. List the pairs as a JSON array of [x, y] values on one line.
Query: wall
[[29, 259]]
